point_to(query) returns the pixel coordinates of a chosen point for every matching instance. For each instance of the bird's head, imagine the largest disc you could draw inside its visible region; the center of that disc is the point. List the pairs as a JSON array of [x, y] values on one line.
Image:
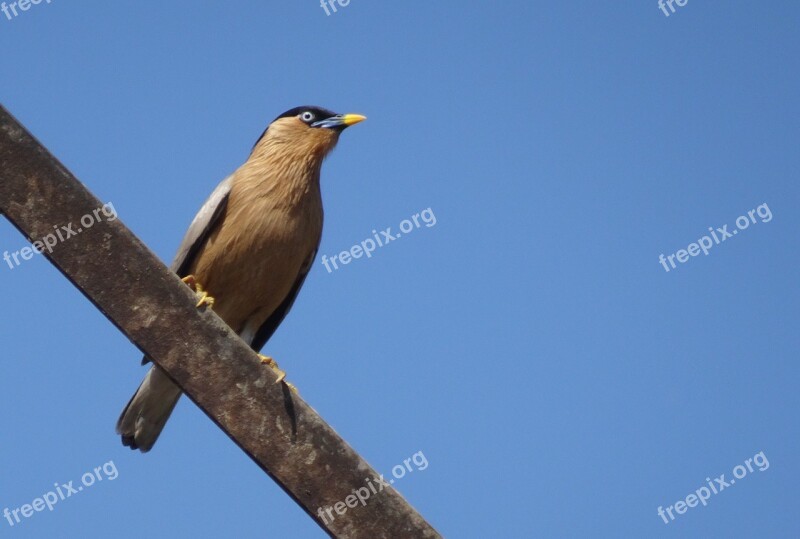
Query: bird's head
[[305, 131]]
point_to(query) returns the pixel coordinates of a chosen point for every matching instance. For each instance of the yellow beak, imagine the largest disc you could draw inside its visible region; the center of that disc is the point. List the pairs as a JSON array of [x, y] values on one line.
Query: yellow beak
[[352, 119]]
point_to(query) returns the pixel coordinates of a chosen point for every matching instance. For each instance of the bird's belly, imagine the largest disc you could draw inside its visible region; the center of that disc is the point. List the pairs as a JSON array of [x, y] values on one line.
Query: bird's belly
[[250, 275]]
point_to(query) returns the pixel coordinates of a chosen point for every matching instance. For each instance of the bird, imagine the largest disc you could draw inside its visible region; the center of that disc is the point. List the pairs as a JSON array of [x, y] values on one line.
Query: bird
[[249, 249]]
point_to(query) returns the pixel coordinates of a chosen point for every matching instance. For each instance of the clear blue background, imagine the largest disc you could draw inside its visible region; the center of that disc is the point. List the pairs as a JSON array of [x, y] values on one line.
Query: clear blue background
[[558, 380]]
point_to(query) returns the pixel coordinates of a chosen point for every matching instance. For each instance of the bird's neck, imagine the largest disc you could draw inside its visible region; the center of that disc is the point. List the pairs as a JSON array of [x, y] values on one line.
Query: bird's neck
[[284, 175]]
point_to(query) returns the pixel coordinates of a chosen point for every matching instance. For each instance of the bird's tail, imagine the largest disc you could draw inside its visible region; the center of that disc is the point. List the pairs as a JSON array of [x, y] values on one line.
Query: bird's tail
[[144, 417]]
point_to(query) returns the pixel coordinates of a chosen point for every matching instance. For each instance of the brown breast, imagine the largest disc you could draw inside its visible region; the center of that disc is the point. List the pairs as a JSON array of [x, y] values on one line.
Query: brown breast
[[272, 225]]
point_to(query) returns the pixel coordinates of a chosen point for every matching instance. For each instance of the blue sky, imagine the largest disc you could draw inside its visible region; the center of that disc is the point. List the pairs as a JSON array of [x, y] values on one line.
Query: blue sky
[[558, 380]]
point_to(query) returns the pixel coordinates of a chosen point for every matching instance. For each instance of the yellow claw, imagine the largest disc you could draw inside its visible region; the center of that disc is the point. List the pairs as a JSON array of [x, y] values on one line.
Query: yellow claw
[[203, 298], [266, 360]]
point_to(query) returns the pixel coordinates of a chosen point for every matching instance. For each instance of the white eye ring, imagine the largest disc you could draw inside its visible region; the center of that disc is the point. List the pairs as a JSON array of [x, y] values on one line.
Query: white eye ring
[[307, 116]]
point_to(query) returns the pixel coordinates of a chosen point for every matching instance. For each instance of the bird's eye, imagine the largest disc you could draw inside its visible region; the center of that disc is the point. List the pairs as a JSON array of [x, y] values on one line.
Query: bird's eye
[[307, 116]]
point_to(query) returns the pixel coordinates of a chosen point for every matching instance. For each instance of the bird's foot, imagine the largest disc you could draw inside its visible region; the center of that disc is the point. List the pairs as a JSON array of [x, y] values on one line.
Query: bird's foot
[[266, 360], [202, 296]]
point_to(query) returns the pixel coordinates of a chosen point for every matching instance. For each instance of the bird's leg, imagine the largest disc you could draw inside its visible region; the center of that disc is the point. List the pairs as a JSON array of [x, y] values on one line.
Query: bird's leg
[[202, 296], [266, 360]]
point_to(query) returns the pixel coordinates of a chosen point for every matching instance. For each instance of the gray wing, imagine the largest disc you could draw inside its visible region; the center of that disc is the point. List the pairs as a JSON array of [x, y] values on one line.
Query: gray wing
[[202, 226]]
